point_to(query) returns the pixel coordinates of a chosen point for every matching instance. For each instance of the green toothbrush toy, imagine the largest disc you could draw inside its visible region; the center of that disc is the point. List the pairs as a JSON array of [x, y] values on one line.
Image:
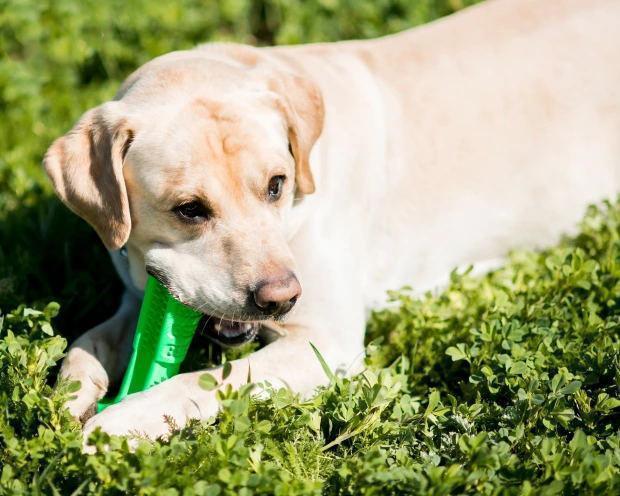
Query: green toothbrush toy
[[164, 332]]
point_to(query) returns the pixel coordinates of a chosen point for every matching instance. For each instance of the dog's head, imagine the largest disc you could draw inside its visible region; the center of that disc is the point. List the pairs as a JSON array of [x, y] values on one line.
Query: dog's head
[[195, 168]]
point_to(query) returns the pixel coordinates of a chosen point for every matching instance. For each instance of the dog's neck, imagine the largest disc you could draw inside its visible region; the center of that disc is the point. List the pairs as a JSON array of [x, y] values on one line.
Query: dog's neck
[[121, 264]]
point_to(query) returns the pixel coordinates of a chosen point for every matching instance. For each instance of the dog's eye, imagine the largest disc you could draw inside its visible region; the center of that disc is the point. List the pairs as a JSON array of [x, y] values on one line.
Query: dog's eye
[[193, 211], [275, 187]]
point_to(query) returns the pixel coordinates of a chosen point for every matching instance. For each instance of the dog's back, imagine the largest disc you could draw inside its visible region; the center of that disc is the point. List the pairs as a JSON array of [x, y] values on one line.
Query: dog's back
[[510, 123]]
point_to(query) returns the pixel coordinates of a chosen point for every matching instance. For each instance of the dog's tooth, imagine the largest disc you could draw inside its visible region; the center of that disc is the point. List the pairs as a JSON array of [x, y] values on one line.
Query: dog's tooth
[[218, 327], [247, 326]]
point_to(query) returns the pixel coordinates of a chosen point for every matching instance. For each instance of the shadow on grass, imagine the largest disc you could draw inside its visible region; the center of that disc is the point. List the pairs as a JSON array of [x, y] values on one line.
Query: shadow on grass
[[49, 254]]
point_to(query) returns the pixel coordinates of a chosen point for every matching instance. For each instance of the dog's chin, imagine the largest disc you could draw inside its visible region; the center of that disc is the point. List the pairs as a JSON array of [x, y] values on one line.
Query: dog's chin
[[229, 333]]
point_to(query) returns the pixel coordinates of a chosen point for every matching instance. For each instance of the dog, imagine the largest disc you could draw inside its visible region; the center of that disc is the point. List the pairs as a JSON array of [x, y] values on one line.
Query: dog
[[287, 188]]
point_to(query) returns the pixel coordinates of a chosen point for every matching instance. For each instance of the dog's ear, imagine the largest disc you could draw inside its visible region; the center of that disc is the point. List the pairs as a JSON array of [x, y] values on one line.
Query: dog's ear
[[302, 104], [86, 169]]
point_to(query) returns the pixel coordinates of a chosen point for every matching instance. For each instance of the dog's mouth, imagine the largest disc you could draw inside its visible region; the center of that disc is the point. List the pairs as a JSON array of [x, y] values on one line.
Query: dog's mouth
[[229, 333], [225, 332]]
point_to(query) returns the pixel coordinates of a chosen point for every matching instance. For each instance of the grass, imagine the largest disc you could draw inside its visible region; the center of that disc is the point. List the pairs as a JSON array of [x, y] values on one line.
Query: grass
[[502, 384]]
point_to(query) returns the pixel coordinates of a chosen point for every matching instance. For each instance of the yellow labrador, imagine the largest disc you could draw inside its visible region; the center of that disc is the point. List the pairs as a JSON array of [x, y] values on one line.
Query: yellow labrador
[[297, 184]]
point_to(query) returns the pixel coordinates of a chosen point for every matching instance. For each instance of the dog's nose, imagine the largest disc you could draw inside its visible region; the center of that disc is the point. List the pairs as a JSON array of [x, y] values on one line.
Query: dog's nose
[[276, 296]]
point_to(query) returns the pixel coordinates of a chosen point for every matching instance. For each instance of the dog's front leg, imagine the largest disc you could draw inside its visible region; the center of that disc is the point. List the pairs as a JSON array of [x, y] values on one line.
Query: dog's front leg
[[99, 357], [288, 361]]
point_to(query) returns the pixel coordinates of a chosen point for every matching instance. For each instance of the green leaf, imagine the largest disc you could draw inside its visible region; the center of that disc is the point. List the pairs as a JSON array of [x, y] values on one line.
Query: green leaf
[[457, 352], [570, 388], [433, 401], [226, 370], [330, 375], [47, 328], [518, 368], [207, 381], [74, 386]]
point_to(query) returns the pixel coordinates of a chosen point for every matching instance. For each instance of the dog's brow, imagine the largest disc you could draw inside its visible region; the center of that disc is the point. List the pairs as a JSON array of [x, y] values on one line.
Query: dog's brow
[[177, 194]]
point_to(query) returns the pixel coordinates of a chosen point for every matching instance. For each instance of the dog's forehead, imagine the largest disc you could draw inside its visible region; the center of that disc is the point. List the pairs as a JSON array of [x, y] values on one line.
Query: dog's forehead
[[221, 130], [206, 140]]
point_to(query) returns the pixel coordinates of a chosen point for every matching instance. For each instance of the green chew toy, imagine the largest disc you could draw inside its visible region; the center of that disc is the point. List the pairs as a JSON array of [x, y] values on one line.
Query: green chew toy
[[163, 335]]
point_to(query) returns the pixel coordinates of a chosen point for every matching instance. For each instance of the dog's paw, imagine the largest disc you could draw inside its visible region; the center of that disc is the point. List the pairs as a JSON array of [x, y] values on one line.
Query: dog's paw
[[93, 382], [82, 409], [150, 414]]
